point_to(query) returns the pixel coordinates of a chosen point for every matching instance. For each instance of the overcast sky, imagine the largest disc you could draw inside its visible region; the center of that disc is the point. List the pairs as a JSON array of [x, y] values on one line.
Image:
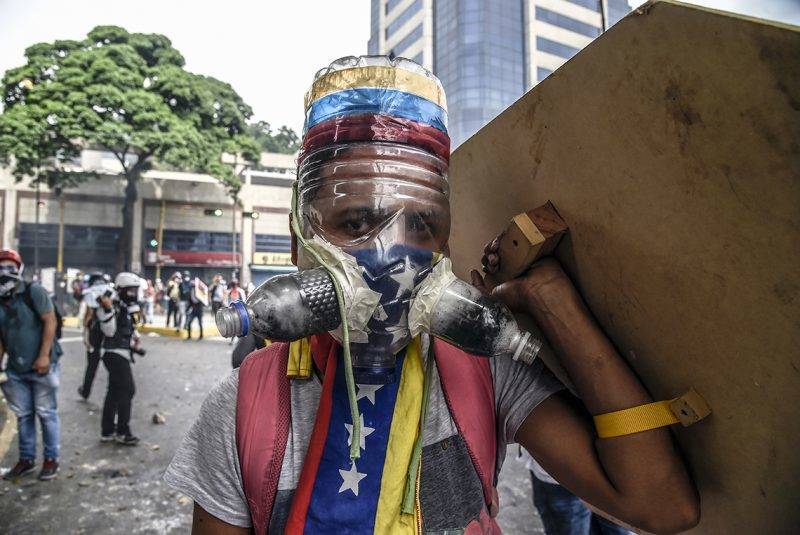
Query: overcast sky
[[267, 49]]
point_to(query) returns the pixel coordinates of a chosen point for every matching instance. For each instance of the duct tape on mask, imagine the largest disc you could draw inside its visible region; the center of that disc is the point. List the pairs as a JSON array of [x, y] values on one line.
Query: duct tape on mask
[[360, 300], [427, 294]]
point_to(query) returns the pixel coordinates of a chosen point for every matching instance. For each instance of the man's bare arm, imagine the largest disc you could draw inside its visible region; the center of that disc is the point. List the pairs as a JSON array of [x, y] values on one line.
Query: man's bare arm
[[204, 523], [638, 478], [42, 363]]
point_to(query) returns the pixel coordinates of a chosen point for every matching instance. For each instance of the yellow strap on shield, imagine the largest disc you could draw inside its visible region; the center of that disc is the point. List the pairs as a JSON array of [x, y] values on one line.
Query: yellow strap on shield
[[299, 365], [687, 409], [376, 76]]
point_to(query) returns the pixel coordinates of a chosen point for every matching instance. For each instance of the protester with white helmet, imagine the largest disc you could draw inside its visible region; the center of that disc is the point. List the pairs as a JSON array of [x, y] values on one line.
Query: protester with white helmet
[[117, 314]]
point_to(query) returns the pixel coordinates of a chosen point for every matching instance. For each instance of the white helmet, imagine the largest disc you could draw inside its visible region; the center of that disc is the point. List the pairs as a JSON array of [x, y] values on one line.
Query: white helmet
[[127, 280]]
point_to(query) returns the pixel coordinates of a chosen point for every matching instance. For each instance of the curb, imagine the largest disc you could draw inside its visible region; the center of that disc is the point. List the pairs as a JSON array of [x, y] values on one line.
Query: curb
[[208, 330]]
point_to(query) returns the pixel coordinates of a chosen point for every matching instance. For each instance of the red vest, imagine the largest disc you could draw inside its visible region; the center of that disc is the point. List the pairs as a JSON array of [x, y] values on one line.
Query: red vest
[[263, 420]]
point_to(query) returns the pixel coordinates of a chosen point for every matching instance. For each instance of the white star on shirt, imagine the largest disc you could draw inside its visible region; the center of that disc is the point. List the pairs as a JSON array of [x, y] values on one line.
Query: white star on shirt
[[365, 432], [350, 479], [367, 391]]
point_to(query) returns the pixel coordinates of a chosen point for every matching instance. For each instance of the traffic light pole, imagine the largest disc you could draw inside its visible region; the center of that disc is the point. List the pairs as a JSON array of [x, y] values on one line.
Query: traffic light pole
[[234, 263]]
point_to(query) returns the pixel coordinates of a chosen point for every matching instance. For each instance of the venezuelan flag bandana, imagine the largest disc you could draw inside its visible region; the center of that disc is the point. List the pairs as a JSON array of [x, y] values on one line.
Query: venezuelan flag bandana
[[364, 496]]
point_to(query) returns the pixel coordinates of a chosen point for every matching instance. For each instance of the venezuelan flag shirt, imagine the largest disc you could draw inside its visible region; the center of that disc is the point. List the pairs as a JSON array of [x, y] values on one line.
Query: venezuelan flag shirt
[[364, 496]]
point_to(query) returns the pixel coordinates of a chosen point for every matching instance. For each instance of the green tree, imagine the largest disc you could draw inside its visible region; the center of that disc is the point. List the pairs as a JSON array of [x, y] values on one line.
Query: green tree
[[285, 140], [129, 94]]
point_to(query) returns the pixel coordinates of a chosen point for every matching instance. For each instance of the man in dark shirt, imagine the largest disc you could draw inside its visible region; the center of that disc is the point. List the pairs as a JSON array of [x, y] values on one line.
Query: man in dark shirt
[[27, 335]]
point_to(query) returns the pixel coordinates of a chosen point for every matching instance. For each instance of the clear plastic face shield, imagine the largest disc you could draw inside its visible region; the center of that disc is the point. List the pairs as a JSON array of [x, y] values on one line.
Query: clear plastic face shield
[[387, 206]]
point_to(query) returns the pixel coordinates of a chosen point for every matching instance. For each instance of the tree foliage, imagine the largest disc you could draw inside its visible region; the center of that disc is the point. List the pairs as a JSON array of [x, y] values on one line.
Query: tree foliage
[[127, 93], [285, 140]]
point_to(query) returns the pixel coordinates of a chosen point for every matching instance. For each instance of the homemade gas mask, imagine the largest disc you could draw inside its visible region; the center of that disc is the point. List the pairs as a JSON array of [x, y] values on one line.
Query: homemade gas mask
[[371, 215], [10, 275], [381, 211]]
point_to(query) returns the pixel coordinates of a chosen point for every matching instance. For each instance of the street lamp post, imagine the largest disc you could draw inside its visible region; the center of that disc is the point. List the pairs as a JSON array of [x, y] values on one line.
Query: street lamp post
[[36, 234], [233, 238]]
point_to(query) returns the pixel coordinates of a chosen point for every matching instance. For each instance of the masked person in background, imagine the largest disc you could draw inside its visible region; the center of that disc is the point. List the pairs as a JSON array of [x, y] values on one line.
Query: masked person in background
[[173, 292], [235, 292], [184, 301], [118, 316], [98, 283], [217, 293], [274, 448], [195, 311], [27, 334]]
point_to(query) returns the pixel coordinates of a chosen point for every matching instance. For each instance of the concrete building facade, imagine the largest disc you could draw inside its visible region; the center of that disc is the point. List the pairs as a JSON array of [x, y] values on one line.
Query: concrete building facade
[[487, 54], [193, 214]]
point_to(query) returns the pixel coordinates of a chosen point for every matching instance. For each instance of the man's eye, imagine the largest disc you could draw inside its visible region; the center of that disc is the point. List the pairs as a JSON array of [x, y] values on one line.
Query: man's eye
[[420, 222], [356, 225]]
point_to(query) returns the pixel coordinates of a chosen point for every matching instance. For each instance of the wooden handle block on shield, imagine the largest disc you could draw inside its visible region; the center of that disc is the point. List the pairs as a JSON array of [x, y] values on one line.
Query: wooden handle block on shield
[[530, 236]]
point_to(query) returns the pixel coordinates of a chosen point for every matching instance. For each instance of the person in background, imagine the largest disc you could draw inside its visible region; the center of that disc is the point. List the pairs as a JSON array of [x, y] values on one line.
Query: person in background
[[97, 284], [149, 301], [173, 297], [161, 296], [185, 289], [77, 288], [562, 512], [117, 315], [217, 293], [235, 293], [28, 336], [195, 311]]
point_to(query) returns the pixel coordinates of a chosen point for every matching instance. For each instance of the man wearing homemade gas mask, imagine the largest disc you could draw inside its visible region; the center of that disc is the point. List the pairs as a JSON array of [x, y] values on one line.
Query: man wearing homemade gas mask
[[287, 444], [27, 335], [117, 314]]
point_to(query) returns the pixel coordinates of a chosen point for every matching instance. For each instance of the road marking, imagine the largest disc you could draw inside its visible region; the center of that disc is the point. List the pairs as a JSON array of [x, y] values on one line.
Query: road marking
[[70, 339]]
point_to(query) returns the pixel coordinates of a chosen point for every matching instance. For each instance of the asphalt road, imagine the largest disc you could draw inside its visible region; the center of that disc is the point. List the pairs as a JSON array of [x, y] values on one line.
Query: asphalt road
[[106, 488]]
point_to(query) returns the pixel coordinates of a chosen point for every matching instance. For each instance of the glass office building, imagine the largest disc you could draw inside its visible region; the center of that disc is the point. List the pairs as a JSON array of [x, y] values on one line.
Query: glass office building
[[478, 49], [487, 53]]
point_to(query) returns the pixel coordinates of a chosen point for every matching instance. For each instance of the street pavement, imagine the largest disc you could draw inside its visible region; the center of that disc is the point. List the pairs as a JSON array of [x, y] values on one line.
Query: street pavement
[[109, 489]]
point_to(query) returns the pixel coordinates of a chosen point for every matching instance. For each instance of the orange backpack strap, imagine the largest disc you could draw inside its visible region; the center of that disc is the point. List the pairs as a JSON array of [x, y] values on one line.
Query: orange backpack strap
[[263, 418], [469, 390]]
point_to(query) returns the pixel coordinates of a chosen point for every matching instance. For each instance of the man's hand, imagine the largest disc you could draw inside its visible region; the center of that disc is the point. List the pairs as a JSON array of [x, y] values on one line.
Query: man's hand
[[106, 302], [545, 280], [42, 364]]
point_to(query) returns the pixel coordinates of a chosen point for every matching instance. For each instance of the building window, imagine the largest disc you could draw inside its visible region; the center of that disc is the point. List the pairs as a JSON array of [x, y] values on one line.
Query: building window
[[616, 10], [568, 23], [403, 17], [277, 243], [85, 246], [555, 48], [408, 40], [271, 181], [391, 4], [374, 27], [594, 5], [193, 240], [542, 73]]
